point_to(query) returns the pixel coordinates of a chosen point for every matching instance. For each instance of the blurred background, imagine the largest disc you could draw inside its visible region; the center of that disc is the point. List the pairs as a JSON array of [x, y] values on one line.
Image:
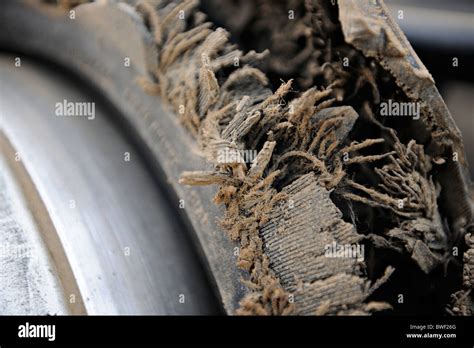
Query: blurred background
[[442, 34]]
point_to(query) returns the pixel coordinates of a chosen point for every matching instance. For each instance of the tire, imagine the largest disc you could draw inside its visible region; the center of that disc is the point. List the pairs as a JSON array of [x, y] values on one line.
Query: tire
[[281, 253]]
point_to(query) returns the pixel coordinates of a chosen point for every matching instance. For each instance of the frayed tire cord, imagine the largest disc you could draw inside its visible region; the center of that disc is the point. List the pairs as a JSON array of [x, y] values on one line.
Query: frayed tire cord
[[250, 202]]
